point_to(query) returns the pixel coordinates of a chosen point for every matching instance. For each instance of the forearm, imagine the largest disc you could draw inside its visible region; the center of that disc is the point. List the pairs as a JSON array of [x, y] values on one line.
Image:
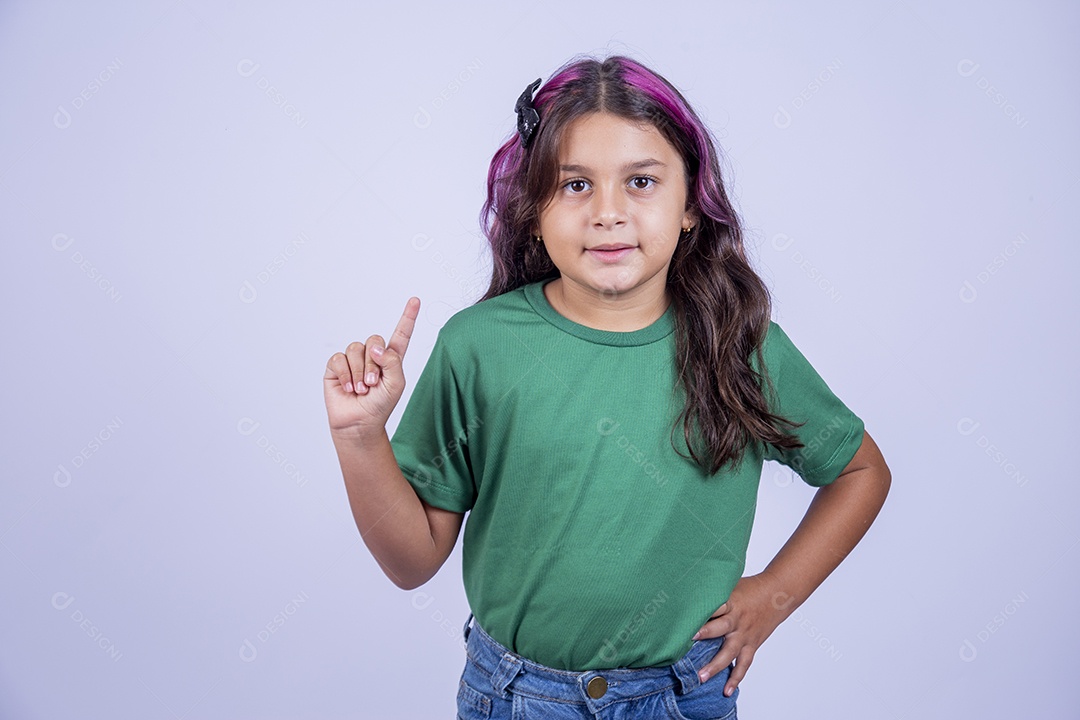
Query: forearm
[[388, 513], [837, 519]]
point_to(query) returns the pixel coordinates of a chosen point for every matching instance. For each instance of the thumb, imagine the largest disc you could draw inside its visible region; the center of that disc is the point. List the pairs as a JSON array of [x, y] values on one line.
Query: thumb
[[393, 377]]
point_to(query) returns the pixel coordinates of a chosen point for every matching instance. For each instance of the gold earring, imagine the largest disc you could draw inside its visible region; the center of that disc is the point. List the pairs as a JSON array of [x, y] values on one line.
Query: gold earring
[[539, 239]]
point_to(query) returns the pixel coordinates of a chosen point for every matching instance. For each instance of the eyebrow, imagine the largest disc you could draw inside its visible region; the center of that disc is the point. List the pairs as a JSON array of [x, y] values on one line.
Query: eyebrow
[[639, 165]]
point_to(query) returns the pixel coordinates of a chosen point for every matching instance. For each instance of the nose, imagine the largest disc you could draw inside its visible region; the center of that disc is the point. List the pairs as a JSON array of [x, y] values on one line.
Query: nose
[[608, 207]]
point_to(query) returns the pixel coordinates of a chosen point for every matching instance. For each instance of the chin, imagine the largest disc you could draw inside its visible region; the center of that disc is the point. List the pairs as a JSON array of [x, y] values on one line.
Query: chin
[[613, 290]]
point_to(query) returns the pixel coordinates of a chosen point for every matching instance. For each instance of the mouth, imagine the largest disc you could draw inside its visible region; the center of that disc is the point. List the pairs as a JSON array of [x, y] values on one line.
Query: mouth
[[610, 253]]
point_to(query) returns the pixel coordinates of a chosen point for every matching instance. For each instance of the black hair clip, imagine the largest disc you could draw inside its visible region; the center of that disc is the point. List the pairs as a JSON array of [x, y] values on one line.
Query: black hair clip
[[528, 118]]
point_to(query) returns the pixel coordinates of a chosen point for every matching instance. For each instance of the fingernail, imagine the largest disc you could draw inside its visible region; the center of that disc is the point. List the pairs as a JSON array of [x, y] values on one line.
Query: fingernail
[[370, 379], [348, 387], [696, 635], [728, 691], [704, 675], [376, 351]]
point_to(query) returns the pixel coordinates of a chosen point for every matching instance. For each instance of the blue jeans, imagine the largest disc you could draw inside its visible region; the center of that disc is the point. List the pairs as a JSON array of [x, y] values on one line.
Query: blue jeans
[[500, 685]]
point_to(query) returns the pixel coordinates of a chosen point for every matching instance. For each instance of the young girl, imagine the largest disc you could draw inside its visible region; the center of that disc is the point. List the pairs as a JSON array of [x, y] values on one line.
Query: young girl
[[603, 413]]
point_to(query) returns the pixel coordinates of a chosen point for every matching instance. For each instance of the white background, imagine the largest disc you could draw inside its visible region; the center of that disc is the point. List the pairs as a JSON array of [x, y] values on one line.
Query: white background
[[200, 205]]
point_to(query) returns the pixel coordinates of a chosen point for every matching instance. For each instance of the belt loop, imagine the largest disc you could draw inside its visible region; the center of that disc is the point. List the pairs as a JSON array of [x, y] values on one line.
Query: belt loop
[[688, 675], [465, 629], [507, 670]]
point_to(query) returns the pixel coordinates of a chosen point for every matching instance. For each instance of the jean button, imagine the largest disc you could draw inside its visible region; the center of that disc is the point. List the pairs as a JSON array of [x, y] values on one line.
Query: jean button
[[597, 687]]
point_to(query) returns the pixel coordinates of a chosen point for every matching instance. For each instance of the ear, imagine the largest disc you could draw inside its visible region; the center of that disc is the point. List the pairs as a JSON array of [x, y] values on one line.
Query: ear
[[690, 217]]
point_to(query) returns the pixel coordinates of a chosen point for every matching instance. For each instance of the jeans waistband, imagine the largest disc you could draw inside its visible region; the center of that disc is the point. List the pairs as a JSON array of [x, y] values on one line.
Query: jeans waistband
[[525, 677]]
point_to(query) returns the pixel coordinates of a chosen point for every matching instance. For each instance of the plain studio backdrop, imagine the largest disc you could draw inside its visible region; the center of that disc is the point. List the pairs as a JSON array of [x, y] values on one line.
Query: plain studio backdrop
[[200, 204]]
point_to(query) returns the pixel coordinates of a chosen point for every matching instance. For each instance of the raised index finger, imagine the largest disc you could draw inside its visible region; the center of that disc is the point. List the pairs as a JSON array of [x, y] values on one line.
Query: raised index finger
[[399, 340]]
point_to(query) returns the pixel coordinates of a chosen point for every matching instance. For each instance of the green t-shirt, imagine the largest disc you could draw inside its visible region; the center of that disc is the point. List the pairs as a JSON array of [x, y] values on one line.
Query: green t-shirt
[[590, 543]]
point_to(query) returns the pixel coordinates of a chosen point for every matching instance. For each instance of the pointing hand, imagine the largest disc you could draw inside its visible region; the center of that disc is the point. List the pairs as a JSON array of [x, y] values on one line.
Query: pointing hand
[[363, 385]]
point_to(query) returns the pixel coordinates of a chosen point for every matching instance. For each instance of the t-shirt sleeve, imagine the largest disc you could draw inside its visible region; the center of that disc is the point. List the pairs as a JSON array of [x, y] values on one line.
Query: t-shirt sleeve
[[832, 433], [430, 440]]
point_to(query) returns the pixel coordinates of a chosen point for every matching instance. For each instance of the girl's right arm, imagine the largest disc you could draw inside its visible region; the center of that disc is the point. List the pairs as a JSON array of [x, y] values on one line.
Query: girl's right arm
[[409, 538]]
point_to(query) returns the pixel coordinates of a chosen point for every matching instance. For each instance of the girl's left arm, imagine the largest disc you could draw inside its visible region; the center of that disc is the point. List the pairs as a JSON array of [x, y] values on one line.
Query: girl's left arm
[[838, 517]]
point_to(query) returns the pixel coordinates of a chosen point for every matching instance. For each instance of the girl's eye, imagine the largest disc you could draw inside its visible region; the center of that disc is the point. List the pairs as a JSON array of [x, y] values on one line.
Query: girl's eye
[[639, 182]]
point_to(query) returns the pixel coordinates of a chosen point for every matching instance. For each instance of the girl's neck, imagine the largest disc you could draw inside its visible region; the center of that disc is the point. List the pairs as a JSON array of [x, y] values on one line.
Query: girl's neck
[[629, 312]]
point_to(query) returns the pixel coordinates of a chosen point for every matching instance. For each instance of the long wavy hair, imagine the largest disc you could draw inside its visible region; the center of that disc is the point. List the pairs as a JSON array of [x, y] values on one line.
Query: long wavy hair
[[722, 307]]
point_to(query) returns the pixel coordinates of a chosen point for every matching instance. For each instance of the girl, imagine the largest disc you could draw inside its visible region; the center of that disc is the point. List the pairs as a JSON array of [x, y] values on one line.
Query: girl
[[603, 414]]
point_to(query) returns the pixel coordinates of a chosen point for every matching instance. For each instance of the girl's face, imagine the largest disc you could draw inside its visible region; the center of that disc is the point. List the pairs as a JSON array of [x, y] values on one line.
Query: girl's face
[[622, 186]]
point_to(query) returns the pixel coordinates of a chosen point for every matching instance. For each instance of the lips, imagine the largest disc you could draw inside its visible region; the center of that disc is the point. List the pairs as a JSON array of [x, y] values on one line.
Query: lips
[[610, 253]]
